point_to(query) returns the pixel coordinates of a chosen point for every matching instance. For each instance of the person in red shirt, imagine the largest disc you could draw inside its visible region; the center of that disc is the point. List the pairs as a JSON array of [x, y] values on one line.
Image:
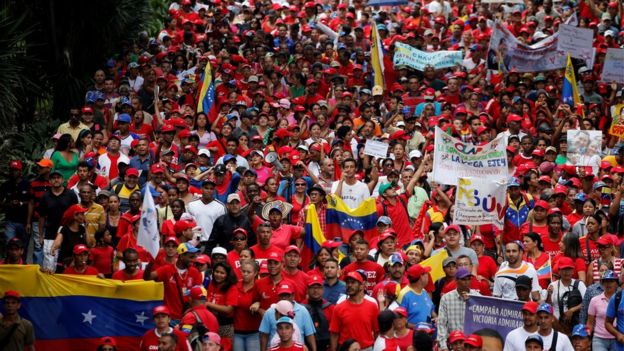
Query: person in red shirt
[[539, 223], [285, 331], [355, 318], [373, 271], [263, 249], [15, 251], [167, 255], [487, 266], [79, 264], [131, 270], [101, 256], [151, 338], [222, 297], [266, 288], [177, 279], [292, 259], [246, 322], [402, 333], [551, 240], [198, 310]]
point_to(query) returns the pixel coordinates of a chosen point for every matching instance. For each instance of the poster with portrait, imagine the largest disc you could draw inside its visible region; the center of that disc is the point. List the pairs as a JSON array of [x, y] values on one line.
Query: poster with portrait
[[584, 147]]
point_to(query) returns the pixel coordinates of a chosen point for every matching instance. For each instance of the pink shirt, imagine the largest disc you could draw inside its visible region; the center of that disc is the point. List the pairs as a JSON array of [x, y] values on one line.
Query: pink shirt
[[598, 308], [283, 235]]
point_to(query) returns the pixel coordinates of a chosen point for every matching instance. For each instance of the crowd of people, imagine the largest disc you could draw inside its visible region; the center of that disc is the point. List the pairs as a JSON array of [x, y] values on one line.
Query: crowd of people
[[284, 121]]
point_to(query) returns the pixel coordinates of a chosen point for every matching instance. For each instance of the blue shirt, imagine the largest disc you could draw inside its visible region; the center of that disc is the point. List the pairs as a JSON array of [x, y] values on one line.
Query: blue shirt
[[419, 306], [619, 315], [332, 293], [302, 318]]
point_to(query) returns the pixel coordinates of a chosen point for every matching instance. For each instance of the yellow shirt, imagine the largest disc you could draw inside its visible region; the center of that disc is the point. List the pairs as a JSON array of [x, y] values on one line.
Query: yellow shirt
[[94, 217], [65, 128]]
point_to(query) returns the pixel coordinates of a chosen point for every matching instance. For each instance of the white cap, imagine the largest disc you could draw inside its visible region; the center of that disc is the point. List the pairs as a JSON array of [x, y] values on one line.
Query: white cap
[[303, 147], [204, 152], [219, 251], [377, 90], [414, 153], [609, 33], [232, 197], [400, 124]]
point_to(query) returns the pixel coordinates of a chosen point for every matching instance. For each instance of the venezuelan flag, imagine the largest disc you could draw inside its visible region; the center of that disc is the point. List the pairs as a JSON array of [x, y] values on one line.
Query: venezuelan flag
[[435, 262], [377, 58], [569, 92], [314, 236], [344, 220], [71, 312], [545, 271], [206, 97]]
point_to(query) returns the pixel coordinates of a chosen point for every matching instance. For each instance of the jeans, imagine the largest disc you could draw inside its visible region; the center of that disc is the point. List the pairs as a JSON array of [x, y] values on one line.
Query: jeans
[[602, 344], [15, 229], [247, 342], [37, 246]]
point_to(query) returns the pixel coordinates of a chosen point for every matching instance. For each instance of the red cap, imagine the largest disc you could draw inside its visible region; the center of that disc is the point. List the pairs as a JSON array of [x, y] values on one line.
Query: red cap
[[160, 310], [542, 203], [292, 248], [295, 157], [561, 189], [197, 293], [545, 178], [182, 225], [399, 134], [315, 279], [157, 168], [476, 237], [565, 262], [355, 275], [203, 259], [416, 271], [87, 109], [167, 128], [456, 335], [401, 311], [107, 341], [512, 117], [554, 210], [16, 164], [538, 153], [511, 149], [461, 109], [12, 293], [617, 169], [132, 172], [531, 306], [285, 288], [473, 340], [282, 133], [80, 248], [274, 256], [190, 148], [171, 239]]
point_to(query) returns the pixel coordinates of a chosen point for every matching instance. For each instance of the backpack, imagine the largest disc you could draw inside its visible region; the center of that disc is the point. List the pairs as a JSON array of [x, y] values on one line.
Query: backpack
[[321, 324], [570, 299], [197, 331]]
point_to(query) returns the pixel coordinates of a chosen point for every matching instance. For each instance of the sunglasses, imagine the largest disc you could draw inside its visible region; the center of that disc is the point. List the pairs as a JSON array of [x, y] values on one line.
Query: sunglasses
[[300, 184], [239, 238]]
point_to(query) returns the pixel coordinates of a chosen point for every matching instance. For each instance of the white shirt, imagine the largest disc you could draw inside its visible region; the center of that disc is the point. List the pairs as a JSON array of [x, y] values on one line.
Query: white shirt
[[563, 342], [352, 195], [104, 162], [516, 338], [559, 289], [505, 283], [205, 215]]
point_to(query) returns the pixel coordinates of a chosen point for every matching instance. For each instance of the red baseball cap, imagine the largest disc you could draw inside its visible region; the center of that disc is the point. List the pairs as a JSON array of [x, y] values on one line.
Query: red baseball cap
[[401, 311], [565, 262], [456, 335], [291, 248], [107, 341], [157, 168], [355, 275], [132, 172], [80, 248], [512, 117], [197, 293], [295, 157], [399, 134], [285, 288], [315, 279], [16, 164], [530, 306], [416, 271], [282, 133], [541, 203], [160, 310], [538, 153], [274, 256], [12, 293], [561, 189], [476, 237], [473, 340]]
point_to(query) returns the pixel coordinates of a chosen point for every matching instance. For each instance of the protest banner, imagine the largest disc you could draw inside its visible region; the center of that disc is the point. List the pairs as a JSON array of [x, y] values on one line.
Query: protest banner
[[584, 147], [493, 313], [454, 158], [507, 53], [613, 69], [480, 201], [376, 149], [617, 126], [405, 55], [575, 40]]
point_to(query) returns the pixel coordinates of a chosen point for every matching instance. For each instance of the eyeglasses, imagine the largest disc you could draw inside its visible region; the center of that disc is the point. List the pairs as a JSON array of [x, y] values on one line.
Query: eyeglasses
[[300, 184], [239, 238]]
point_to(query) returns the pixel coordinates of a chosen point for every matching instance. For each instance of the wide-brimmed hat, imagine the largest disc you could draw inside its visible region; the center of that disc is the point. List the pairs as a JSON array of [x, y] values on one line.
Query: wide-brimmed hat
[[283, 207]]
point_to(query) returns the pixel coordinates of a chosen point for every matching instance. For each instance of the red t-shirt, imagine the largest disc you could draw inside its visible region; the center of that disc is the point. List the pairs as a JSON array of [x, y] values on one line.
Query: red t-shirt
[[573, 218], [261, 254], [482, 286], [150, 339], [227, 298], [160, 260], [400, 218], [122, 275], [294, 347], [102, 258], [300, 279], [266, 291], [593, 248], [209, 319], [550, 247], [539, 229], [244, 320], [487, 267], [355, 321], [88, 271], [177, 284], [374, 273], [405, 341]]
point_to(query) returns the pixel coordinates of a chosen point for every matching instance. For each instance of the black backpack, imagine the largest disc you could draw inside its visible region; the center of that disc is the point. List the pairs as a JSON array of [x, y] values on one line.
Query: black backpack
[[570, 299], [195, 336]]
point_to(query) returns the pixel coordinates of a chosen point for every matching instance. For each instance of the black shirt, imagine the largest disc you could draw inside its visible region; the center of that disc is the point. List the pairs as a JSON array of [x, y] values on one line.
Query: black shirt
[[52, 208], [70, 239], [15, 194], [222, 231]]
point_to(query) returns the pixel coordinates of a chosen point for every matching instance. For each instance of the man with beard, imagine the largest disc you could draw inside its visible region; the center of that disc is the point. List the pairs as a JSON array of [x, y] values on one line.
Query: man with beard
[[510, 270], [553, 340], [515, 338], [354, 318]]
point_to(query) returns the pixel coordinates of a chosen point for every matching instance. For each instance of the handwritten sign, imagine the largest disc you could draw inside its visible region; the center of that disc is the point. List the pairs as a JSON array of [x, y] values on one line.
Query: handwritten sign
[[376, 149], [405, 55], [613, 69], [480, 201], [575, 40]]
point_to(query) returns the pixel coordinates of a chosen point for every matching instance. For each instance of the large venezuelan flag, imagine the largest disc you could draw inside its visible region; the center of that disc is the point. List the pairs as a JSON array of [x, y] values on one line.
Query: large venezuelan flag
[[314, 237], [71, 312], [344, 220], [569, 92], [206, 98]]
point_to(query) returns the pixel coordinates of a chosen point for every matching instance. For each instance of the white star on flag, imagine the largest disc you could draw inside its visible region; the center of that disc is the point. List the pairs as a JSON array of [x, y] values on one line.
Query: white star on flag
[[88, 317], [141, 318]]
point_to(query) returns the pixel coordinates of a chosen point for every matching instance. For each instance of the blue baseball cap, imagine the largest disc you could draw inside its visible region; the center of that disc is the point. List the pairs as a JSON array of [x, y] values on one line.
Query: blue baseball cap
[[396, 258], [462, 272], [545, 307], [580, 330], [124, 118], [384, 220], [580, 197], [599, 184], [610, 275], [285, 320], [124, 101], [513, 181], [187, 248], [535, 338], [227, 158]]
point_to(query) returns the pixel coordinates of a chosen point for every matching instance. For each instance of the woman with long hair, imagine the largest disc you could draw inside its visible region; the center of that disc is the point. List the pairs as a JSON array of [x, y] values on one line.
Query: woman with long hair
[[113, 214], [222, 297], [606, 247], [246, 323], [589, 242], [203, 131], [64, 158], [570, 247], [534, 254], [299, 199], [319, 259], [84, 143]]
